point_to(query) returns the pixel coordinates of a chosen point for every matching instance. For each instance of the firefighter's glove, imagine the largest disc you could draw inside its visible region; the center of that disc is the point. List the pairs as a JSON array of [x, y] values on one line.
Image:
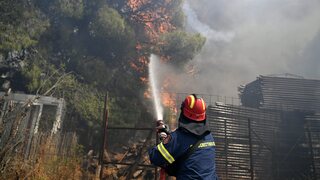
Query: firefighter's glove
[[162, 128]]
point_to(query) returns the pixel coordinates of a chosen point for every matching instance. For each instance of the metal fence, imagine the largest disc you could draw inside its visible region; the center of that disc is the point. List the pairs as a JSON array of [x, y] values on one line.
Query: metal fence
[[244, 141], [264, 144], [128, 137], [313, 134], [128, 134], [274, 134], [251, 143]]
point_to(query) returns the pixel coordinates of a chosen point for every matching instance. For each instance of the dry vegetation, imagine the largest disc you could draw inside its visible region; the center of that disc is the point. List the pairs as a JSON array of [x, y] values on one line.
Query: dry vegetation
[[45, 164]]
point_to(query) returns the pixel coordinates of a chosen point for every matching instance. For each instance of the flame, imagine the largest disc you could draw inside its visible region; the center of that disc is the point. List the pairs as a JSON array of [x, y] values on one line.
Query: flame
[[167, 98], [136, 67], [156, 20], [141, 64], [136, 4], [144, 79], [147, 94], [144, 60], [138, 46], [169, 101]]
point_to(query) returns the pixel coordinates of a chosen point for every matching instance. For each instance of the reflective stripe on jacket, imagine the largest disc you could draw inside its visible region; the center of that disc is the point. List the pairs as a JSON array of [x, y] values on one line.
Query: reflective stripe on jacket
[[200, 165]]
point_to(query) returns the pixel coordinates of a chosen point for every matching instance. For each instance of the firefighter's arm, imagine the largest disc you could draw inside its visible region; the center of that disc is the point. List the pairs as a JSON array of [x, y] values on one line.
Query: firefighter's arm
[[163, 154]]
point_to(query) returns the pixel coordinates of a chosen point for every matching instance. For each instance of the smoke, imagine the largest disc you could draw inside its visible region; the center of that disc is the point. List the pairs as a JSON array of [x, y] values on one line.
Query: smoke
[[204, 29], [249, 38]]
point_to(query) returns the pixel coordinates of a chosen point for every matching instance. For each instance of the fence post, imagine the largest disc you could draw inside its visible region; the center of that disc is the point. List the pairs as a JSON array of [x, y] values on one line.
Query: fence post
[[104, 130], [250, 150], [34, 127], [307, 127], [226, 148]]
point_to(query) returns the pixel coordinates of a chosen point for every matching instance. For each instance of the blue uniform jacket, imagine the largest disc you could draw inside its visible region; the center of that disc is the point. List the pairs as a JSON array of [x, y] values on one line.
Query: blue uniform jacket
[[200, 165]]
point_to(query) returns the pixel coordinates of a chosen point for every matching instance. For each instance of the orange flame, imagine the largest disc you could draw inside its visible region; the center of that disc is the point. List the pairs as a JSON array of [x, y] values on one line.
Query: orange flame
[[144, 79], [169, 101], [147, 93], [138, 47], [140, 65], [155, 19]]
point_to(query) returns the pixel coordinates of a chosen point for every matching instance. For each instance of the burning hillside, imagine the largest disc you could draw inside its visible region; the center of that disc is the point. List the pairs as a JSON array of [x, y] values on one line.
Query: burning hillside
[[155, 16], [82, 50]]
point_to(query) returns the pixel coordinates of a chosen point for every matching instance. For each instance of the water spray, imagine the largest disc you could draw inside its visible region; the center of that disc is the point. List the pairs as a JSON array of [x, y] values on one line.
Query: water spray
[[154, 60]]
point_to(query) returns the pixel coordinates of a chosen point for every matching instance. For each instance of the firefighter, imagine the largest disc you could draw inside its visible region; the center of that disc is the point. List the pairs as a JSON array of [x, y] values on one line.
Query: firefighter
[[189, 151]]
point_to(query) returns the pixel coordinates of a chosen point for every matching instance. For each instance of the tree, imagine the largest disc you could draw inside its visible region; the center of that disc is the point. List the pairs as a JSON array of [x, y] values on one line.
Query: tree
[[95, 71], [21, 25], [178, 18], [107, 23], [85, 47], [180, 46], [70, 8]]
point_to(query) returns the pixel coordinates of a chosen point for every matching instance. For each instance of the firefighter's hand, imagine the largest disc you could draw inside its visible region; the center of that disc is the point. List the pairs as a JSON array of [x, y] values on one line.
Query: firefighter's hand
[[162, 128], [164, 137], [163, 131], [160, 123]]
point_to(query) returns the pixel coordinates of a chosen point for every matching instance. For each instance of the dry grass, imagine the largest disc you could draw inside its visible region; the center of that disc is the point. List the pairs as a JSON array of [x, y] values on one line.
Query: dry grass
[[45, 165]]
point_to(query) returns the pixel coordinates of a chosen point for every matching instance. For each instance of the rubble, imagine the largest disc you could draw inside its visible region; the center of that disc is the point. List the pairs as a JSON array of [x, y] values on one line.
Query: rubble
[[131, 162]]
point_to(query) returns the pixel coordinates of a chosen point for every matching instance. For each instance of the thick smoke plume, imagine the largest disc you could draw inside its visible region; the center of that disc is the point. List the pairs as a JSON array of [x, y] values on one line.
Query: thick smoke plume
[[204, 29], [248, 38]]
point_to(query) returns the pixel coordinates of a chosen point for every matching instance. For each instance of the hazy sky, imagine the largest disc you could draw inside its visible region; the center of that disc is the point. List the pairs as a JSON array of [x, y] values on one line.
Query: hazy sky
[[248, 38]]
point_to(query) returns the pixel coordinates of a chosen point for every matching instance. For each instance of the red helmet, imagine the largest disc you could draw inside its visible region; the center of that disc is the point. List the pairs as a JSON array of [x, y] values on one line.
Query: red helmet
[[194, 108]]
